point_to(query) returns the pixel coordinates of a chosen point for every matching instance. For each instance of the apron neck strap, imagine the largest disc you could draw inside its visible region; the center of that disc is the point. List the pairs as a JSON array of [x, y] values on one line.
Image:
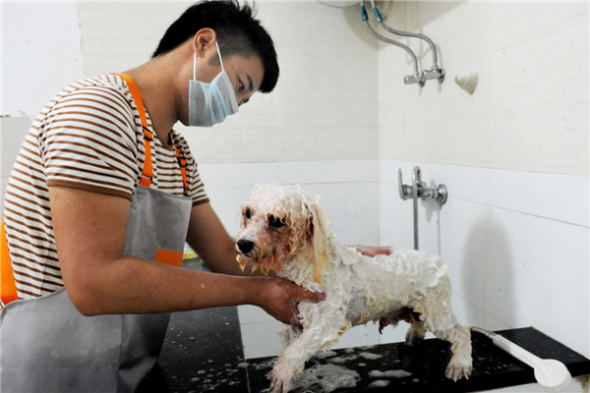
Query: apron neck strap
[[147, 173]]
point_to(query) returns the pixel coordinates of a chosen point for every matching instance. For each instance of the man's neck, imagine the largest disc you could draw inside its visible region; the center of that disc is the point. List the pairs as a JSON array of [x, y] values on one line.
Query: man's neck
[[155, 80]]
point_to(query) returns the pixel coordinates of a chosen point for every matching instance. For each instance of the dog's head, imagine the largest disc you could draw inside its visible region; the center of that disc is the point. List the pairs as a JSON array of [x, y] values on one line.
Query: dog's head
[[280, 224]]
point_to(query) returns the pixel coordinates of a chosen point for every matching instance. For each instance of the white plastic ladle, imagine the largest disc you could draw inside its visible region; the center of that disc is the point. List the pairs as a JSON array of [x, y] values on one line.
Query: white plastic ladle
[[549, 373]]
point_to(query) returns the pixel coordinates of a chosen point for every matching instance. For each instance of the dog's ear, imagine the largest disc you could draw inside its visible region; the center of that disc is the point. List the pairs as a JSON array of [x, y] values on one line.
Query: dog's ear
[[317, 237]]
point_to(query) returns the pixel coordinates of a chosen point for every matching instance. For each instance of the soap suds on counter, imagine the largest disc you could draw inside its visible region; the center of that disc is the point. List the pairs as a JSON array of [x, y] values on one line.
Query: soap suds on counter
[[325, 378]]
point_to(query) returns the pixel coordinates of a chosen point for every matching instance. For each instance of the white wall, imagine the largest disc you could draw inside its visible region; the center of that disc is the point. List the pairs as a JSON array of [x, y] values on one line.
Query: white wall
[[530, 109], [514, 156]]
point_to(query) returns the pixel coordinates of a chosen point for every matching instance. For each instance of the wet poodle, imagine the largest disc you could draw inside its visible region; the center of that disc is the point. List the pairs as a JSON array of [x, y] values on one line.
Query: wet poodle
[[286, 231]]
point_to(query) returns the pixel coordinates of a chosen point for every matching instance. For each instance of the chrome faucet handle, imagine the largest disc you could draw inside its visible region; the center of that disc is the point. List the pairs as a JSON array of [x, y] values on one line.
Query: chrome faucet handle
[[405, 192], [434, 73], [411, 79], [440, 193]]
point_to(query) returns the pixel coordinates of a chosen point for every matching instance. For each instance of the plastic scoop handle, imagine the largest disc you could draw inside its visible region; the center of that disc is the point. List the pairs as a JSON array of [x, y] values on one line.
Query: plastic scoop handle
[[549, 373]]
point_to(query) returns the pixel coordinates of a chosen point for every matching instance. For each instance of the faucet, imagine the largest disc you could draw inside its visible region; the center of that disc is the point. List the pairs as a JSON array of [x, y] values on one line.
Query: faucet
[[419, 190]]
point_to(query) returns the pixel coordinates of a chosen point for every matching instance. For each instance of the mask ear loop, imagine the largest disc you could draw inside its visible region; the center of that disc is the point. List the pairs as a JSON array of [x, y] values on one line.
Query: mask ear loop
[[195, 61], [195, 66], [219, 55]]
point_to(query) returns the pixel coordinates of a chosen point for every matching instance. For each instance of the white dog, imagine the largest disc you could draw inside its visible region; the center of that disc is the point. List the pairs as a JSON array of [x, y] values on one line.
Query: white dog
[[286, 231]]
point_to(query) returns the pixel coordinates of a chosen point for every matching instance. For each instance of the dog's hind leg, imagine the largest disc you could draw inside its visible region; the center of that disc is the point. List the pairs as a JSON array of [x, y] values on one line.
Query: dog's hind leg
[[416, 331], [461, 363], [440, 320]]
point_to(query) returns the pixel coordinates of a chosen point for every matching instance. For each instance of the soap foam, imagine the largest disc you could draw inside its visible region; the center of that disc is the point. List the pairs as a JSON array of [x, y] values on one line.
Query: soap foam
[[380, 383], [370, 356], [325, 378]]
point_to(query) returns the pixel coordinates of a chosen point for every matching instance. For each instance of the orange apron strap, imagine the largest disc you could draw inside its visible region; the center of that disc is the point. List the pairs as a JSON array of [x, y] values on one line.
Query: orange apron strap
[[147, 172], [182, 163], [7, 283]]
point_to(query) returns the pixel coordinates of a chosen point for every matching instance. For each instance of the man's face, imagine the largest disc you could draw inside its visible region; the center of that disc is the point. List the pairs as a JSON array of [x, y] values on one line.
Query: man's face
[[245, 74]]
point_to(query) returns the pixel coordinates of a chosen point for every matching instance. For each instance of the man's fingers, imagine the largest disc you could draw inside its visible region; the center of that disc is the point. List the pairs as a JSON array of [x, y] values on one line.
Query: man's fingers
[[313, 296], [373, 251]]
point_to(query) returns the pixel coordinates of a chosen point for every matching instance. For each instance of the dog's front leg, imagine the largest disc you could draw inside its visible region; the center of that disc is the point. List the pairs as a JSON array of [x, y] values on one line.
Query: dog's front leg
[[291, 361]]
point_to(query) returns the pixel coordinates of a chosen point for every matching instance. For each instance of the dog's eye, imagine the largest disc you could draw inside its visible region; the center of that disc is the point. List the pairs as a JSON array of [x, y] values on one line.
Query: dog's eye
[[274, 222], [248, 214]]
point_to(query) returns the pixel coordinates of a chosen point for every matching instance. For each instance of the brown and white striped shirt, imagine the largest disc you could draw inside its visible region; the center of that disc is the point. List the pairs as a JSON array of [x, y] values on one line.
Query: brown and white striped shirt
[[89, 137]]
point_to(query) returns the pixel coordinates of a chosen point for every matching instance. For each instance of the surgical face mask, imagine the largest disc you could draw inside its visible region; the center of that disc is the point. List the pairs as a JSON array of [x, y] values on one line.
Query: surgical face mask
[[210, 103]]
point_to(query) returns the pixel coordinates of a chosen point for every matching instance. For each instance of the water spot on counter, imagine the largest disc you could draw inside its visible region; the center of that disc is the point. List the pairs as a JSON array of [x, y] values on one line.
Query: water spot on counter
[[342, 359], [195, 379], [263, 365], [389, 374], [243, 365], [380, 383]]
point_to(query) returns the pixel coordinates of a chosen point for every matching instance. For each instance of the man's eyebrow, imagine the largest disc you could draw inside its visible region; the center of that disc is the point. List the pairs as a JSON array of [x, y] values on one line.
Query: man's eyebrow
[[250, 83]]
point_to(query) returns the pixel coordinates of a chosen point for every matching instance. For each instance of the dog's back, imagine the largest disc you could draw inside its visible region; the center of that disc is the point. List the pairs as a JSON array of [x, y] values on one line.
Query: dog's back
[[375, 286]]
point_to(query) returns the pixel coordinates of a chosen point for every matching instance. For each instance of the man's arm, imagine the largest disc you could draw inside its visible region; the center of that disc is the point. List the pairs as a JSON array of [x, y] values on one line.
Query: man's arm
[[210, 240], [90, 236]]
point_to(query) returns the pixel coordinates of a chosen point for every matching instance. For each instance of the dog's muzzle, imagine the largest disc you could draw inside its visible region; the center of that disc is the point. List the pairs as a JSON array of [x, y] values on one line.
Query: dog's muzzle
[[245, 246]]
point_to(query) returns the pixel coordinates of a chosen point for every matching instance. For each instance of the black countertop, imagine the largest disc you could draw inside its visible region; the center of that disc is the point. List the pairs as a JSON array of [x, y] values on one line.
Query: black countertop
[[203, 352], [420, 368]]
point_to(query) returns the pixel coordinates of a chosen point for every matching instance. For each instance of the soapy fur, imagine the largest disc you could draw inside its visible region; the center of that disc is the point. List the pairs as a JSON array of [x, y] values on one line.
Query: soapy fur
[[285, 230]]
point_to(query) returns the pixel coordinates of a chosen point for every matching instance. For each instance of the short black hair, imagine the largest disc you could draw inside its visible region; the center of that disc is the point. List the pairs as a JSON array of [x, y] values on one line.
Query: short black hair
[[238, 33]]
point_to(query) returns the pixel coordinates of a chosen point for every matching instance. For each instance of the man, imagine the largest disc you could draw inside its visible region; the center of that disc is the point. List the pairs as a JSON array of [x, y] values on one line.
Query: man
[[101, 200]]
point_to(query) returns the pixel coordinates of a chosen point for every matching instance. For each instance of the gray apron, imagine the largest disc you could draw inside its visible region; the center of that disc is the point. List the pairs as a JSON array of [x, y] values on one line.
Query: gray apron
[[46, 345]]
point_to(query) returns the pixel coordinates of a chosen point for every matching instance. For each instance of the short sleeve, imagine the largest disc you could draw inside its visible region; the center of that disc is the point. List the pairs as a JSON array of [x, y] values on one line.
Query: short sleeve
[[88, 141]]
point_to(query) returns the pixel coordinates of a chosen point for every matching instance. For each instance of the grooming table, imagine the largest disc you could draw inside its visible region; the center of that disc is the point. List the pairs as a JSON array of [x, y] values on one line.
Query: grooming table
[[203, 352]]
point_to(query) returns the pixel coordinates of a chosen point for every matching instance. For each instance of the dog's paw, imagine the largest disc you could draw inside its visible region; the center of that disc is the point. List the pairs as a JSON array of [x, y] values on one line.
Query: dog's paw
[[458, 369], [278, 385], [280, 378]]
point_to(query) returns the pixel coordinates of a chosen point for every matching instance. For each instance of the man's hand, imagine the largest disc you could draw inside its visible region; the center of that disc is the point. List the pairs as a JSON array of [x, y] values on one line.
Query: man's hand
[[280, 298], [373, 251]]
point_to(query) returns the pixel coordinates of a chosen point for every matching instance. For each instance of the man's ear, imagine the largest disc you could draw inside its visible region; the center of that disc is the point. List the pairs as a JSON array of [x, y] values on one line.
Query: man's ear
[[204, 42]]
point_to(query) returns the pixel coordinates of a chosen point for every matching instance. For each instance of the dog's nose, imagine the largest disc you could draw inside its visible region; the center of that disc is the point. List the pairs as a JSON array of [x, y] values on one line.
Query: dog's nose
[[245, 246]]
